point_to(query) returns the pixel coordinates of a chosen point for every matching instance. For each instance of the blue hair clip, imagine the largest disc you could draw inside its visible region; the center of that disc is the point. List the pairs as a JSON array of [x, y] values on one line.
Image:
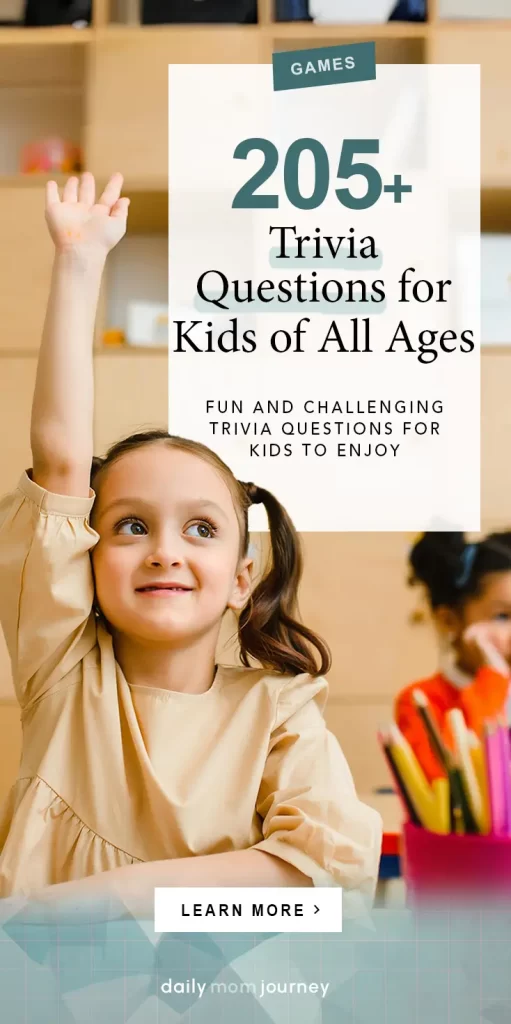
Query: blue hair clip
[[467, 562]]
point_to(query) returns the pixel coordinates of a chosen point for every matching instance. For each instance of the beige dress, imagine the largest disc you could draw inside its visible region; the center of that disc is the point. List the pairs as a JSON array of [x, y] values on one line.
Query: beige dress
[[112, 773]]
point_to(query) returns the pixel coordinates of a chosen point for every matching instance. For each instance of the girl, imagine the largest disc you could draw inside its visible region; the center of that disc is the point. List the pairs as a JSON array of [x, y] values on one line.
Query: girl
[[144, 763], [469, 591]]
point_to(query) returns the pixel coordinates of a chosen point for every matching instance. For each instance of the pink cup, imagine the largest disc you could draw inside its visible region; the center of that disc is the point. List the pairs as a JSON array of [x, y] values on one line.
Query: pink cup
[[455, 864]]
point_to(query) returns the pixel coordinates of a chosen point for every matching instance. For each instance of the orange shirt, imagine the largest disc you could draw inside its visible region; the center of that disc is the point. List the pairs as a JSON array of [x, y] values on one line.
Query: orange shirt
[[484, 698]]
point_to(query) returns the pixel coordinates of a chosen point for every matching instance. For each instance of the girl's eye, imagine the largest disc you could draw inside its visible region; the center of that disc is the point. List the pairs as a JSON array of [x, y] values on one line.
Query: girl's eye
[[203, 530], [502, 616], [131, 528]]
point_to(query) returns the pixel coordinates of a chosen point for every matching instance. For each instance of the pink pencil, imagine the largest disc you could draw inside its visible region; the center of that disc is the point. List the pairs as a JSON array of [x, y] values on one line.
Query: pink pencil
[[494, 754], [506, 776]]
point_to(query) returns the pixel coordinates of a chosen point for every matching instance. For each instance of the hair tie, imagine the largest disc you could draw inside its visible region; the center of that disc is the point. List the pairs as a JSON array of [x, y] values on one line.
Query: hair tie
[[254, 494], [467, 563]]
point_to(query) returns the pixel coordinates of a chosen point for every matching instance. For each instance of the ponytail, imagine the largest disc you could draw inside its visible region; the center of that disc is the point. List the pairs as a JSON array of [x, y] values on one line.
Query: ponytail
[[268, 629]]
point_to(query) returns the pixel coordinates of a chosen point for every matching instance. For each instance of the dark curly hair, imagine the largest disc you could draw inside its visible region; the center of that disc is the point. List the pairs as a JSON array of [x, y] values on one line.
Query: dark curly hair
[[452, 569]]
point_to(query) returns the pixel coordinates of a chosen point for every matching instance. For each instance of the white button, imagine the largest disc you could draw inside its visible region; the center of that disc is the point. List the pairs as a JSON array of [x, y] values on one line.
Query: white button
[[247, 910]]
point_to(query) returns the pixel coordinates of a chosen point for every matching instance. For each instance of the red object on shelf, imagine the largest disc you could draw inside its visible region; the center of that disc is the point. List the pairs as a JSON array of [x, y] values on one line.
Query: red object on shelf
[[50, 155]]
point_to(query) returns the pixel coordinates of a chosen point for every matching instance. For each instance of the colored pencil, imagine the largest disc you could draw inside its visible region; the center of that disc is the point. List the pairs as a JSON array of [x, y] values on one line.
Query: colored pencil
[[468, 781], [493, 757], [506, 778], [436, 742], [462, 818], [441, 792], [420, 793], [478, 761], [399, 782]]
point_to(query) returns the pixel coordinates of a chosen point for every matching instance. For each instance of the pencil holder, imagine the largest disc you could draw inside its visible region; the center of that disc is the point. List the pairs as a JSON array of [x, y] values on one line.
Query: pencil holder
[[454, 864]]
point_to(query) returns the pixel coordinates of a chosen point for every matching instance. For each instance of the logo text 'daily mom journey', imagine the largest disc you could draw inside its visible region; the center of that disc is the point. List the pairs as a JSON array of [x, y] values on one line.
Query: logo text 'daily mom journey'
[[260, 989]]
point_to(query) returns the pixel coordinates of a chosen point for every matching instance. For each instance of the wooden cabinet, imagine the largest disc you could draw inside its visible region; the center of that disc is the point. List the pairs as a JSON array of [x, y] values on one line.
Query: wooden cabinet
[[491, 49], [495, 440], [355, 594], [128, 88], [130, 395], [26, 268], [17, 377]]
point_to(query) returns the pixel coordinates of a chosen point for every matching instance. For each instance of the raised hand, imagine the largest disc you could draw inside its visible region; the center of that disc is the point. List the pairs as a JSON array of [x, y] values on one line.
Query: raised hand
[[77, 222]]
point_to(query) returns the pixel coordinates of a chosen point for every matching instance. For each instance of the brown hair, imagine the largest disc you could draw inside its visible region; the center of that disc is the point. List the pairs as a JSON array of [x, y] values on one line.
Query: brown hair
[[268, 629]]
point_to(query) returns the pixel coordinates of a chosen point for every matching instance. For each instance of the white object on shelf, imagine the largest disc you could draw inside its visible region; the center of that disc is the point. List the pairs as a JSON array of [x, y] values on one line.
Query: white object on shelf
[[496, 289], [494, 254], [466, 9], [354, 11], [147, 323]]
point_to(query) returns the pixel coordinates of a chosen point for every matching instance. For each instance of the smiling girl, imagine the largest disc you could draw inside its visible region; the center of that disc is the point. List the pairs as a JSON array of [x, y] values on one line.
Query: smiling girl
[[145, 762]]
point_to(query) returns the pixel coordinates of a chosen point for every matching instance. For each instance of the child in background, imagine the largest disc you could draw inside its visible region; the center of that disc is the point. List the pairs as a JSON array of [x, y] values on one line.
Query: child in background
[[469, 592], [144, 763]]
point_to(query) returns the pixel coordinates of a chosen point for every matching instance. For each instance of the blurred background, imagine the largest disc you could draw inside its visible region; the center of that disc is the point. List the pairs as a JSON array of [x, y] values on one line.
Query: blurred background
[[85, 85]]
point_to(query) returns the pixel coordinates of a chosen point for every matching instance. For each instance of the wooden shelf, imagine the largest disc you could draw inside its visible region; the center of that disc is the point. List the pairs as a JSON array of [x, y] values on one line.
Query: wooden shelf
[[114, 31], [30, 180], [496, 210], [475, 25], [309, 29], [130, 350], [67, 36], [52, 36]]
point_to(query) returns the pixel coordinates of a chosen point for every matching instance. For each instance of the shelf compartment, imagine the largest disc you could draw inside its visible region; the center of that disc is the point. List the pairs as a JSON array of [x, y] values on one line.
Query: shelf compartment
[[31, 114], [48, 63], [137, 271]]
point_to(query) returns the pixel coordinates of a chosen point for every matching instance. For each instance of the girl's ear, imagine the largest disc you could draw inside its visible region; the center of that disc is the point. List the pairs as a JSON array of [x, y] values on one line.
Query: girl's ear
[[242, 585], [449, 623]]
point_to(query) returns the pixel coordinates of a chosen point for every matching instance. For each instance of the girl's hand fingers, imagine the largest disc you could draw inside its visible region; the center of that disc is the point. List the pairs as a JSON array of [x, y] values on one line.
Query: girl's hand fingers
[[491, 642], [71, 190], [87, 189], [52, 193], [112, 192], [121, 208]]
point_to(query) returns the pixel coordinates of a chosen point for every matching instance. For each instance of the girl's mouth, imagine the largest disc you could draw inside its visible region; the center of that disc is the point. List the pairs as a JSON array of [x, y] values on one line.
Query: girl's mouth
[[163, 589]]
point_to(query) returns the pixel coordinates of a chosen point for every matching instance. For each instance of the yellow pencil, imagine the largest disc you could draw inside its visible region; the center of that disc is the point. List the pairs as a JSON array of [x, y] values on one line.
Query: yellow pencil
[[425, 800], [441, 792], [471, 786], [478, 761]]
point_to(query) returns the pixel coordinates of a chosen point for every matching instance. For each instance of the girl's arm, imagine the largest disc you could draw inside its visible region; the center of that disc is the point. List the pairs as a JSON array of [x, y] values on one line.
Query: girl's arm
[[46, 584], [133, 886], [83, 232]]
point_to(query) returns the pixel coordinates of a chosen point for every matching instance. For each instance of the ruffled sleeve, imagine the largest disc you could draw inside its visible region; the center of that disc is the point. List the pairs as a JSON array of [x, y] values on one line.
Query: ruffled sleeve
[[311, 814], [46, 585]]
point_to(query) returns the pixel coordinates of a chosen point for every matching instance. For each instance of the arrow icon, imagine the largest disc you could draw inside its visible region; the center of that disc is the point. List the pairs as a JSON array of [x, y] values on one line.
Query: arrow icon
[[316, 909]]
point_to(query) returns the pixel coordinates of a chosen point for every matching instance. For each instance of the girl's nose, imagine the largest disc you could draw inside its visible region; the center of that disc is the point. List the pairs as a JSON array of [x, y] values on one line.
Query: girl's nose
[[161, 561], [165, 554]]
